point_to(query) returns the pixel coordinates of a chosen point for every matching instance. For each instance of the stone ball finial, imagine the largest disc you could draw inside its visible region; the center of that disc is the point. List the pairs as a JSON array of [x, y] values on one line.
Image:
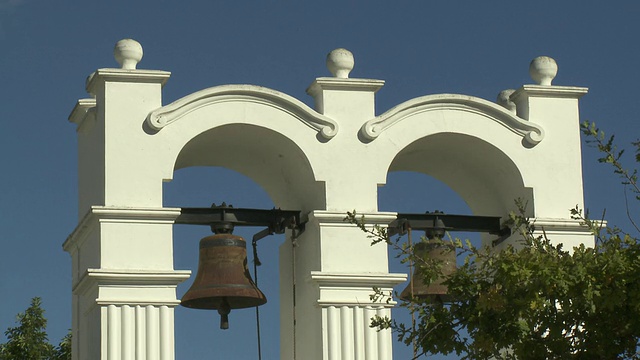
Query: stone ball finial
[[128, 53], [340, 62], [504, 100], [543, 70]]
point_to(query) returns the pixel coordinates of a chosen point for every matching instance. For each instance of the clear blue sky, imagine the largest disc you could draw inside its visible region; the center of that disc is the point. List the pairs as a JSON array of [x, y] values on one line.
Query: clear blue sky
[[419, 48]]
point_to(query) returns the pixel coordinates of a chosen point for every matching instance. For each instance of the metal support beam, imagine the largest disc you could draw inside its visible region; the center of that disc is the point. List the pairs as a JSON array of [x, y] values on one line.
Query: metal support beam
[[448, 222], [225, 218]]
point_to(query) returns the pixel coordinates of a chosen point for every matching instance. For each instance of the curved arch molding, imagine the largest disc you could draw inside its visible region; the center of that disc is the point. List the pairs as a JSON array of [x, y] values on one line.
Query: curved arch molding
[[532, 133], [166, 115]]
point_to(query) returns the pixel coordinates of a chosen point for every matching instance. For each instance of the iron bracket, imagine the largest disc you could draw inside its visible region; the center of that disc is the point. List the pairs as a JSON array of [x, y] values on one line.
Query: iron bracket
[[225, 217], [447, 222]]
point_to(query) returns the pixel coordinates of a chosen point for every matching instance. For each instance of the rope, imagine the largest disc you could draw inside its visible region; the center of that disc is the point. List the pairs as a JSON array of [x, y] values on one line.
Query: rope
[[256, 263], [293, 285], [411, 306]]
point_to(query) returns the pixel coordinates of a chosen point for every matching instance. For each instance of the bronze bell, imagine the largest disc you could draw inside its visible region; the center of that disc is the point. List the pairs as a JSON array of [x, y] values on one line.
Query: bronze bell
[[223, 281], [436, 291]]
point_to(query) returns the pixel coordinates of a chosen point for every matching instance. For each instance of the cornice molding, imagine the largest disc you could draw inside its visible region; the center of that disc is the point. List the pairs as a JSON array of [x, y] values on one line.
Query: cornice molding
[[162, 117], [99, 214], [332, 83], [573, 226], [357, 279], [127, 75], [354, 289], [573, 92], [532, 133], [129, 278], [338, 218], [83, 114]]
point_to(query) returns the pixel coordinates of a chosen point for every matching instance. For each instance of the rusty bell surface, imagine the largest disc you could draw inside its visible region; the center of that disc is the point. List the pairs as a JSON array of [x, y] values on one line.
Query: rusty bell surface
[[223, 281], [435, 291]]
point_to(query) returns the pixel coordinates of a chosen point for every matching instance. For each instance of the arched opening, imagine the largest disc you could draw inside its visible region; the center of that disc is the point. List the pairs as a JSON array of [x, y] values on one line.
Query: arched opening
[[269, 158], [245, 166], [197, 332], [485, 178], [453, 173], [413, 192]]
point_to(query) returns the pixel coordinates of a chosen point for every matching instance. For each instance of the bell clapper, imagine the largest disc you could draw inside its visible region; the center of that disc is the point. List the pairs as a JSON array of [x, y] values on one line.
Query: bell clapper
[[224, 311]]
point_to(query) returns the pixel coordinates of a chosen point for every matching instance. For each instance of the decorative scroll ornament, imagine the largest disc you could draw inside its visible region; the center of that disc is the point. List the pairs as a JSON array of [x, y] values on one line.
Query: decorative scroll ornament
[[532, 133], [166, 115]]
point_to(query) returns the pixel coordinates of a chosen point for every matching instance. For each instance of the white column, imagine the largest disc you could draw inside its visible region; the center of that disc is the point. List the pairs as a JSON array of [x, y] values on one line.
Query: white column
[[347, 312], [333, 332], [556, 109], [166, 333], [370, 335], [135, 305], [113, 333], [128, 333], [141, 329], [384, 337], [152, 333], [140, 332], [349, 336], [346, 332], [122, 248], [358, 334]]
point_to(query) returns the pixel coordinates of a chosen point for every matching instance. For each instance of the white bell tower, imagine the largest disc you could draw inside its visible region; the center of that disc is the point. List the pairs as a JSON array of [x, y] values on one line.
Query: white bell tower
[[129, 143]]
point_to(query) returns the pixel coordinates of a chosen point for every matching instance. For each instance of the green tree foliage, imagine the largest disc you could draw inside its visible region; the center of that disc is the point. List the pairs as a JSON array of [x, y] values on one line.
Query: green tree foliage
[[28, 340], [63, 350], [534, 301]]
